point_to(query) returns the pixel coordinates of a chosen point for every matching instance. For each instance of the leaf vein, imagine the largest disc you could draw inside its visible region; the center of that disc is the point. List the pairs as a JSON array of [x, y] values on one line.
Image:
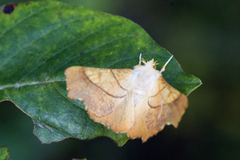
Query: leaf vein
[[50, 31], [97, 47], [22, 20], [18, 85]]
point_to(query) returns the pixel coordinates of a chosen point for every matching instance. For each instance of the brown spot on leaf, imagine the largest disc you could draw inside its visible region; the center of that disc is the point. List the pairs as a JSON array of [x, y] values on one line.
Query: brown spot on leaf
[[8, 9], [135, 34], [81, 53]]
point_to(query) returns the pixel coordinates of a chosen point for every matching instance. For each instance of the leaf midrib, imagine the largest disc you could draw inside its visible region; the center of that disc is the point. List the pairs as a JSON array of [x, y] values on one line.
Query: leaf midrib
[[18, 85]]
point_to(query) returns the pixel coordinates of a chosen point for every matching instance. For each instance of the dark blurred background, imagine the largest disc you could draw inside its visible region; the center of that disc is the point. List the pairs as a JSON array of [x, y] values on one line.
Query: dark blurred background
[[204, 36]]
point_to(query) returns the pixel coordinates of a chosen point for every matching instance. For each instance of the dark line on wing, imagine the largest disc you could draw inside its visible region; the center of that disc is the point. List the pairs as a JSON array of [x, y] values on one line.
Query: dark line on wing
[[104, 90], [158, 92], [117, 81], [156, 95], [164, 104]]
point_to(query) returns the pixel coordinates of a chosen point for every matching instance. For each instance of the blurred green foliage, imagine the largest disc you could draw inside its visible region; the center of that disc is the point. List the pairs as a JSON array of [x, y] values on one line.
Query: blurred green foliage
[[204, 37], [4, 153]]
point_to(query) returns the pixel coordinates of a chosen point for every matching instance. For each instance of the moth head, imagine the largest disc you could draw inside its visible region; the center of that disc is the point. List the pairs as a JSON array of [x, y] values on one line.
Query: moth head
[[151, 63]]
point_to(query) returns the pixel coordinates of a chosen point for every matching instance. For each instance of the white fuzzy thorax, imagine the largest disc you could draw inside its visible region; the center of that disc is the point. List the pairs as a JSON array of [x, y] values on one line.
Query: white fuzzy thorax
[[144, 78]]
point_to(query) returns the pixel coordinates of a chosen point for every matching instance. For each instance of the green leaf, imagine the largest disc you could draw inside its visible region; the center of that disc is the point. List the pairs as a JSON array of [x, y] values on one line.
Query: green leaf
[[39, 40], [4, 155]]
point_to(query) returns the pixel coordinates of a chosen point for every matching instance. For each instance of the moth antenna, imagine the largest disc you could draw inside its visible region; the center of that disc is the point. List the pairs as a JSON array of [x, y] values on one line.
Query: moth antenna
[[140, 59], [163, 68]]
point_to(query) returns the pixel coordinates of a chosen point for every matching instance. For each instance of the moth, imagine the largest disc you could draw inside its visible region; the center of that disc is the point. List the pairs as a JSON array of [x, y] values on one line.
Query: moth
[[138, 102]]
